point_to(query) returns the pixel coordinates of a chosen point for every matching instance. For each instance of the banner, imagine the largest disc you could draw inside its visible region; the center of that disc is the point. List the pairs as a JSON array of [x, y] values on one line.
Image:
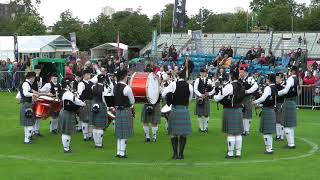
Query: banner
[[15, 48], [73, 40], [197, 39], [154, 46], [180, 12]]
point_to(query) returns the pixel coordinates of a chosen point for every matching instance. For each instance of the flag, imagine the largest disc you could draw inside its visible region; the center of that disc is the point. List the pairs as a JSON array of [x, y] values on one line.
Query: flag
[[73, 40], [179, 13], [154, 43], [118, 46], [197, 39], [16, 50]]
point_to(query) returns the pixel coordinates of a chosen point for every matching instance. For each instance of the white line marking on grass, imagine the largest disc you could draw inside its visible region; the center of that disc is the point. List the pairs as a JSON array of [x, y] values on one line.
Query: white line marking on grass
[[313, 150]]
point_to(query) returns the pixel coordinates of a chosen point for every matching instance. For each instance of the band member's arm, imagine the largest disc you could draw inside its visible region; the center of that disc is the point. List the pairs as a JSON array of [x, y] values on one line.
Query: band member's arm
[[69, 96], [212, 85], [266, 93], [127, 91], [254, 86], [289, 84], [105, 93], [227, 90], [171, 88], [191, 92], [26, 90], [46, 88], [81, 88], [196, 84]]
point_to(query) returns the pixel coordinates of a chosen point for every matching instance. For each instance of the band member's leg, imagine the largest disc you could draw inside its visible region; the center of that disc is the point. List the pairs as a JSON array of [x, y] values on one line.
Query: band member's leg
[[90, 131], [118, 147], [85, 130], [66, 139], [154, 132], [231, 145], [238, 139], [123, 145], [174, 144], [200, 121], [268, 143], [206, 123], [54, 125], [280, 132], [182, 144], [36, 127], [27, 134], [98, 137], [146, 132]]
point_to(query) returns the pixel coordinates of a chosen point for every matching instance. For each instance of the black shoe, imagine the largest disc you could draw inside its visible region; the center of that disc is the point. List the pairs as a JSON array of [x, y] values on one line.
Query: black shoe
[[181, 156], [182, 144], [154, 140], [175, 156], [238, 156], [69, 151], [291, 147], [98, 147], [147, 139], [266, 152], [54, 131], [206, 130], [38, 135], [124, 157], [229, 157], [27, 142], [200, 130], [79, 130], [117, 156]]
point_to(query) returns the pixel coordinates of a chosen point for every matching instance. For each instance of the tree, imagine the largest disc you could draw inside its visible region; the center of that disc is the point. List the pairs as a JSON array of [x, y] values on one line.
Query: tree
[[33, 25]]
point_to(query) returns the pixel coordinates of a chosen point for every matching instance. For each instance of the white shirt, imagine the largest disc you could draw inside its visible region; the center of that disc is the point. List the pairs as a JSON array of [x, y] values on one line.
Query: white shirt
[[266, 93], [226, 91], [196, 84], [46, 88], [127, 91], [289, 84], [171, 88], [26, 89], [81, 86], [254, 86], [70, 96]]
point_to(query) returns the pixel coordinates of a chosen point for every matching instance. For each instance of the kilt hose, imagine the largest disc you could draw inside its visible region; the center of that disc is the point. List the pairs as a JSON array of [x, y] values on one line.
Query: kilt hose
[[279, 113], [24, 121], [85, 114], [203, 109], [124, 123], [154, 117], [99, 119], [268, 120], [232, 121], [179, 121], [247, 109], [289, 113], [67, 122]]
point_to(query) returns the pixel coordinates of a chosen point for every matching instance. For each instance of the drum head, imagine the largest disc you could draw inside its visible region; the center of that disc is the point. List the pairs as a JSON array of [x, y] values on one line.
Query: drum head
[[153, 88], [46, 98]]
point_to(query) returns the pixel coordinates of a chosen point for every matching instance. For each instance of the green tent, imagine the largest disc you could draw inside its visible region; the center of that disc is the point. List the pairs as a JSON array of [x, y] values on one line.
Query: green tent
[[136, 60], [58, 63]]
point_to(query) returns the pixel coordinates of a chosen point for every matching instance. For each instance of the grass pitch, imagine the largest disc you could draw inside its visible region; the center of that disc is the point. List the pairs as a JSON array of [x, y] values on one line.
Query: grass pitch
[[204, 154]]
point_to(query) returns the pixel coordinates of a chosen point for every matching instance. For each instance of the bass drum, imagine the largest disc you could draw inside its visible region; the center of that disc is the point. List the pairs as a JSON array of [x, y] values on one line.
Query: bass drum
[[145, 87]]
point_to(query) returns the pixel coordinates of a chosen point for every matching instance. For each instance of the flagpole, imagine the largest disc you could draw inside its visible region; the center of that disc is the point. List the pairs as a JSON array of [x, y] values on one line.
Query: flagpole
[[173, 16]]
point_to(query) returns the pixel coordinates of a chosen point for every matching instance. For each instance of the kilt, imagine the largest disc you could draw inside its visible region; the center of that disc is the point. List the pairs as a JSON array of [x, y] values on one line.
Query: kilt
[[279, 114], [23, 120], [268, 120], [99, 120], [232, 121], [86, 112], [124, 123], [154, 117], [247, 102], [289, 113], [203, 109], [67, 122], [179, 121]]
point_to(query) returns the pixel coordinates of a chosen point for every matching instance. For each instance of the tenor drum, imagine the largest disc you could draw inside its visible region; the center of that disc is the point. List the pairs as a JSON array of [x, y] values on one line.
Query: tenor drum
[[145, 87], [41, 109]]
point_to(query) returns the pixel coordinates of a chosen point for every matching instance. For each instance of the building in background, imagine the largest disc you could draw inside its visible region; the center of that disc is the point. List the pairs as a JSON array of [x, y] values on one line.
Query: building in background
[[129, 10], [108, 11]]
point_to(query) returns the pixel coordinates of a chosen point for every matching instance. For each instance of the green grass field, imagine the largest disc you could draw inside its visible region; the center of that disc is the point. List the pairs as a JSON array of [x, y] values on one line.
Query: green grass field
[[204, 156]]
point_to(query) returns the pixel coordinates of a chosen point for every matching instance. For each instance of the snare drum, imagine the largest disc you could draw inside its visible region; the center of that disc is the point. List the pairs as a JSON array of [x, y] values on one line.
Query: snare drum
[[145, 87], [41, 109]]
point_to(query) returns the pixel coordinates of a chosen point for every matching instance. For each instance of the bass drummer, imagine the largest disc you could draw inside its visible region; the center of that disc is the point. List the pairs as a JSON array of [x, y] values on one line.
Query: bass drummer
[[151, 114]]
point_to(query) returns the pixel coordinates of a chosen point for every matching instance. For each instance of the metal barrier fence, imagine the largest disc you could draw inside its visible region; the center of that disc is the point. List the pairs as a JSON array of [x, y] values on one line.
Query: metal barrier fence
[[308, 96], [10, 81]]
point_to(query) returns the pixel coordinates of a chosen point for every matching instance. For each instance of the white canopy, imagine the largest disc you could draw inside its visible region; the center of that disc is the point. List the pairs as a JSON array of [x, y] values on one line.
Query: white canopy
[[102, 50]]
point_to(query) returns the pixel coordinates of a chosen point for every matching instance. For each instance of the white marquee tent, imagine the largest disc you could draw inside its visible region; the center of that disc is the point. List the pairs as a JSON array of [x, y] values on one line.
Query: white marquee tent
[[103, 50]]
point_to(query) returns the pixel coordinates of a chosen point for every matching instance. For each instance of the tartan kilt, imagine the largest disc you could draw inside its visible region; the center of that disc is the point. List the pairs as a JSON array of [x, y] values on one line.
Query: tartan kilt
[[99, 119], [279, 114], [23, 120], [232, 121], [179, 121], [67, 122], [86, 112], [203, 109], [124, 123], [268, 120], [247, 102], [154, 117], [289, 113]]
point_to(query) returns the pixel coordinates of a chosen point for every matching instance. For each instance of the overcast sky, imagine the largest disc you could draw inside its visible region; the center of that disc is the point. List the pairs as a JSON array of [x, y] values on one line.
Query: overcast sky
[[90, 9]]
